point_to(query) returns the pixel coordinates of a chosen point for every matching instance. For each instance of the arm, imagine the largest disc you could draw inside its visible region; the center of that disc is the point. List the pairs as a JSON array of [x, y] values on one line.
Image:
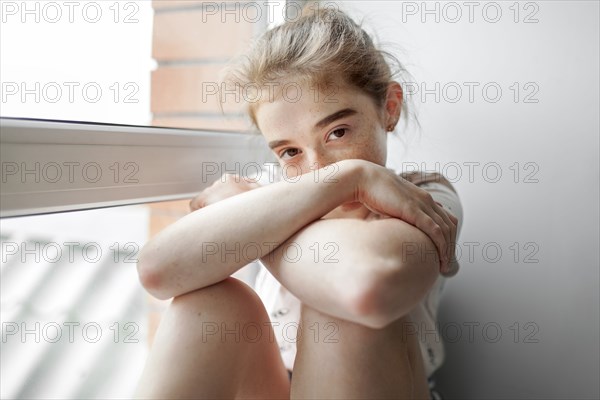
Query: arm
[[368, 272], [374, 277], [210, 244], [204, 247]]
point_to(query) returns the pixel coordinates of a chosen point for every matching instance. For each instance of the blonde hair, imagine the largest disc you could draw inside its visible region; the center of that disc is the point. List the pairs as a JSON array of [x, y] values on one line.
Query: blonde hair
[[320, 45]]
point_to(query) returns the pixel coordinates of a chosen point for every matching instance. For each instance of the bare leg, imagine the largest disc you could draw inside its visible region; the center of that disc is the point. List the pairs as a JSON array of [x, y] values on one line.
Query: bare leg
[[365, 363], [215, 342]]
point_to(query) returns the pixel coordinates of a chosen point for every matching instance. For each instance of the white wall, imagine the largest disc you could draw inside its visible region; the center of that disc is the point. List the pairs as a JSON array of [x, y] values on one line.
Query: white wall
[[553, 220]]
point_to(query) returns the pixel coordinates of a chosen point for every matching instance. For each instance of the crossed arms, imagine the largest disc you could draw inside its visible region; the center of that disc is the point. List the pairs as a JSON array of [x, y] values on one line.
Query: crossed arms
[[380, 270]]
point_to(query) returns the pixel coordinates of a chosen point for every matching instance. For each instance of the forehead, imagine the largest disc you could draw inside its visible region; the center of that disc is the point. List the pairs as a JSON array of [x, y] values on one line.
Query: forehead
[[298, 103]]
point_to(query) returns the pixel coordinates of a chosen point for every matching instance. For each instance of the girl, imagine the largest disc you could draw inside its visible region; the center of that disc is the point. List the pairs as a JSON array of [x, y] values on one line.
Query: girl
[[353, 255]]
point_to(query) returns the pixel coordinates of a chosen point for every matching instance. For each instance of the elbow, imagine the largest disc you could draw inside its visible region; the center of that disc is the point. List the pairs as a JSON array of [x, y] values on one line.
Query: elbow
[[390, 293], [151, 279], [366, 308], [369, 304]]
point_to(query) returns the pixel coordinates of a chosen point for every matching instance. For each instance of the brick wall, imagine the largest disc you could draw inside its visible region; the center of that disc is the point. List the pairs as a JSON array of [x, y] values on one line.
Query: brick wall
[[192, 41]]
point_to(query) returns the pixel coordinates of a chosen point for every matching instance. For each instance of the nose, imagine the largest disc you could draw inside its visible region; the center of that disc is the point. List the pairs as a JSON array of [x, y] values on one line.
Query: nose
[[318, 159]]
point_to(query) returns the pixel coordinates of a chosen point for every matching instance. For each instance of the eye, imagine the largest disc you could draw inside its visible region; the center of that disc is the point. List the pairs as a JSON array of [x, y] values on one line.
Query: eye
[[339, 133], [291, 152]]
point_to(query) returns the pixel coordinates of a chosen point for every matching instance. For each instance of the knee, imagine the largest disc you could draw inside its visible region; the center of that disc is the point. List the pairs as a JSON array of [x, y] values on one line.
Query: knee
[[229, 299]]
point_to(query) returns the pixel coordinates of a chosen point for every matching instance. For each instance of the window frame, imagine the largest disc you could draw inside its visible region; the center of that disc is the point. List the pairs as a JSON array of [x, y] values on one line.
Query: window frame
[[193, 159]]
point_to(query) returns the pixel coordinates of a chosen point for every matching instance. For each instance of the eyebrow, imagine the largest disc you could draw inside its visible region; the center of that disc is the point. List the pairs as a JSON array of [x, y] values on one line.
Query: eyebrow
[[322, 123]]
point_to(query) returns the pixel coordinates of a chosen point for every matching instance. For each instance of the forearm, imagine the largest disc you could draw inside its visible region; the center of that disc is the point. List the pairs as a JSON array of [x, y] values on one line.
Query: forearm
[[213, 242]]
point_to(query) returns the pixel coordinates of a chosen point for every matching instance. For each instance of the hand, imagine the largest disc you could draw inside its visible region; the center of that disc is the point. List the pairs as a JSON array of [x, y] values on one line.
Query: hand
[[227, 186], [382, 191]]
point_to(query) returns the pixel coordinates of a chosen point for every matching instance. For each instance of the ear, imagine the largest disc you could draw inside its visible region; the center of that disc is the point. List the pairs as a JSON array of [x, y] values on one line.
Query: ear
[[393, 105]]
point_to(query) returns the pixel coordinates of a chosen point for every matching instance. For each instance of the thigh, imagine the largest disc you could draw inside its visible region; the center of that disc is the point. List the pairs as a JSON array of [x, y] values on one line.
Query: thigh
[[358, 361]]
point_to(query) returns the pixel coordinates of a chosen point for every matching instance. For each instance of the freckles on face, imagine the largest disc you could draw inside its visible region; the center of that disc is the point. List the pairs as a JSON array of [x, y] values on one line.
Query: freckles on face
[[354, 129]]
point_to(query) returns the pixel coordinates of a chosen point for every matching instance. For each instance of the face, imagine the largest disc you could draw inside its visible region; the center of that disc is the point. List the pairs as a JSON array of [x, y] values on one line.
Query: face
[[318, 128]]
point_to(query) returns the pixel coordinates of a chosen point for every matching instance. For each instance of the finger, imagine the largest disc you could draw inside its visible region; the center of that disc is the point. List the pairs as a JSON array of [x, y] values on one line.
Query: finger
[[446, 227], [253, 184], [197, 203], [226, 178], [451, 225], [453, 218], [444, 255], [250, 180], [454, 233], [427, 224], [453, 260], [439, 217], [453, 269], [453, 266]]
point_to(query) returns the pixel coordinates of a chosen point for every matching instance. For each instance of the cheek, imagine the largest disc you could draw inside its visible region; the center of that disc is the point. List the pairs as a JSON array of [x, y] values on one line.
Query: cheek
[[373, 148]]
